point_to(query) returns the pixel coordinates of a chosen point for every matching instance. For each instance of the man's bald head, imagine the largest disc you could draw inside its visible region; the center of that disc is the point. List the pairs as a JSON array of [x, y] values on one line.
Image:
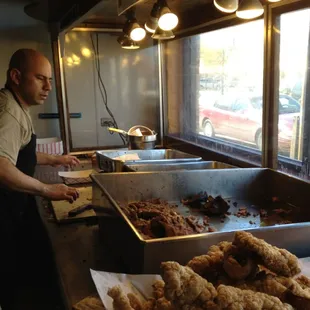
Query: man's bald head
[[22, 60], [29, 74]]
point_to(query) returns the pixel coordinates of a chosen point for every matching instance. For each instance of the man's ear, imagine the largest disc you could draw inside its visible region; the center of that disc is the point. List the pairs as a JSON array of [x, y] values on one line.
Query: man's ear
[[15, 76]]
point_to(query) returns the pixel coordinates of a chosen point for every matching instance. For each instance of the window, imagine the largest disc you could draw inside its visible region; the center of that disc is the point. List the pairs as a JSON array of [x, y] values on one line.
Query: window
[[212, 80], [223, 104], [294, 75], [240, 105], [288, 105]]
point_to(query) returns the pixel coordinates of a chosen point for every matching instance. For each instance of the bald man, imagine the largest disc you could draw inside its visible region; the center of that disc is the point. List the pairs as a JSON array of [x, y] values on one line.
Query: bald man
[[28, 84]]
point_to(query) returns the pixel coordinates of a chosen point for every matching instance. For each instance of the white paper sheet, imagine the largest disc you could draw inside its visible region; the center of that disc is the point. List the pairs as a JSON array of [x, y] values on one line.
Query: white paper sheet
[[76, 174], [141, 285], [127, 157], [305, 266]]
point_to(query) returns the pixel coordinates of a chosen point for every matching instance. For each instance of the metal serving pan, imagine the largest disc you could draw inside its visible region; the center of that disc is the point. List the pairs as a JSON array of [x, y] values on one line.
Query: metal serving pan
[[199, 165], [252, 188], [108, 163]]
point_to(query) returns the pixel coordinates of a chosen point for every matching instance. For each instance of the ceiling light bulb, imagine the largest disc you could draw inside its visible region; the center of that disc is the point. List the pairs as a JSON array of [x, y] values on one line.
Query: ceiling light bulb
[[249, 9], [167, 20], [274, 0], [137, 34], [226, 6], [127, 43]]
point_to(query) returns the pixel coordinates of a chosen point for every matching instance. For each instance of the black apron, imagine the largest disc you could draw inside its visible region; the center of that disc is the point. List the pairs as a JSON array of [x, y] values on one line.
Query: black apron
[[13, 209]]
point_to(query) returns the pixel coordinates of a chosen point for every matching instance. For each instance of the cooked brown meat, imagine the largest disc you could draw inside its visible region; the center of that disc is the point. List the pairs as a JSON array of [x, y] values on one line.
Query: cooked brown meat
[[158, 219]]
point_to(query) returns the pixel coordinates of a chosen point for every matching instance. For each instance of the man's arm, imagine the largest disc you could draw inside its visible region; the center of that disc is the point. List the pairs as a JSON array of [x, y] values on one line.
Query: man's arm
[[14, 179], [55, 160]]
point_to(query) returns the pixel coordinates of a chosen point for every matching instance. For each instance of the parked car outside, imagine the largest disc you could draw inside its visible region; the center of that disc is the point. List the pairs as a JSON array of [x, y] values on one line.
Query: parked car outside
[[240, 118], [297, 90]]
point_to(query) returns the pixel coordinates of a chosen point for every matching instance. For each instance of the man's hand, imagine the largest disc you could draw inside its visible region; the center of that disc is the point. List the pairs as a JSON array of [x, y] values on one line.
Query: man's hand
[[60, 192], [66, 160]]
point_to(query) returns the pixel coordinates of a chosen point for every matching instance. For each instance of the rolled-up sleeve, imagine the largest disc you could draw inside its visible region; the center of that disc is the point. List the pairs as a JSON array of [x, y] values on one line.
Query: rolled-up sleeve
[[10, 137]]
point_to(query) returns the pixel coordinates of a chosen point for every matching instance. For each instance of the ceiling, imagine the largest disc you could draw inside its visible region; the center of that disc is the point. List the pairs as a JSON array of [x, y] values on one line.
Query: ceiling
[[189, 11], [104, 13]]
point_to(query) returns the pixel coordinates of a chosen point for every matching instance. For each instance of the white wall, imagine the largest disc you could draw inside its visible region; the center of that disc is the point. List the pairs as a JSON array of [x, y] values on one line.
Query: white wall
[[18, 30], [132, 83]]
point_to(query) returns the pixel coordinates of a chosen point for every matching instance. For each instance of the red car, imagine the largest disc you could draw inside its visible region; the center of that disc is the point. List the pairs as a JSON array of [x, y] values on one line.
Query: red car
[[240, 119]]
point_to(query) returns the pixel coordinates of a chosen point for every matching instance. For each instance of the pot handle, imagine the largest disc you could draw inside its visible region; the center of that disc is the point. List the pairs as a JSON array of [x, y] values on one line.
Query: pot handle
[[123, 132]]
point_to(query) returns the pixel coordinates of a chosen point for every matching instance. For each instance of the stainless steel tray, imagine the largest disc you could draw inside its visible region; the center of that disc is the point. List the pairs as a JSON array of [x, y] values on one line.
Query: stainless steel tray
[[198, 165], [108, 163], [253, 188]]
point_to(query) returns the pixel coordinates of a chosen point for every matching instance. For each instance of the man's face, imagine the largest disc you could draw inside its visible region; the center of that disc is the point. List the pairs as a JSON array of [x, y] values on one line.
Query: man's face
[[35, 81]]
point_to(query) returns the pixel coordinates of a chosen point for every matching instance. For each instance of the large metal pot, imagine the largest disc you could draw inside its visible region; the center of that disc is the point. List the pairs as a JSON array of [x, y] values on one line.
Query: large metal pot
[[142, 143], [145, 141]]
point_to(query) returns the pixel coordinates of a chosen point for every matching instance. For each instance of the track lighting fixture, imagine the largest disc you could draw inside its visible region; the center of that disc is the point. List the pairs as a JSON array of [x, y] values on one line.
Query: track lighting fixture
[[127, 43], [166, 20], [227, 6], [152, 23], [132, 28], [161, 17], [249, 9]]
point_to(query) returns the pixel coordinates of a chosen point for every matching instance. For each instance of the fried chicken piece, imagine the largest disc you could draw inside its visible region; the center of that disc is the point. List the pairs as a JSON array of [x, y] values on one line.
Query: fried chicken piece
[[149, 304], [134, 301], [238, 264], [280, 261], [303, 281], [265, 283], [163, 304], [158, 289], [159, 294], [120, 300], [296, 295], [233, 298], [186, 289], [286, 289], [209, 265]]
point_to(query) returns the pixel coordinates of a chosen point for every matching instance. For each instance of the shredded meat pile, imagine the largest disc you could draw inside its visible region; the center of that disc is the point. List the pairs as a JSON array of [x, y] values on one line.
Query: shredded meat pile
[[157, 218]]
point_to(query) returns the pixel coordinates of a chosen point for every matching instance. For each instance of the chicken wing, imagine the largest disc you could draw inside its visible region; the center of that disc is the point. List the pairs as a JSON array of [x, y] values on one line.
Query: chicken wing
[[188, 291], [185, 289], [134, 301], [303, 281], [161, 303], [210, 264], [158, 289], [120, 300], [277, 260], [232, 298]]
